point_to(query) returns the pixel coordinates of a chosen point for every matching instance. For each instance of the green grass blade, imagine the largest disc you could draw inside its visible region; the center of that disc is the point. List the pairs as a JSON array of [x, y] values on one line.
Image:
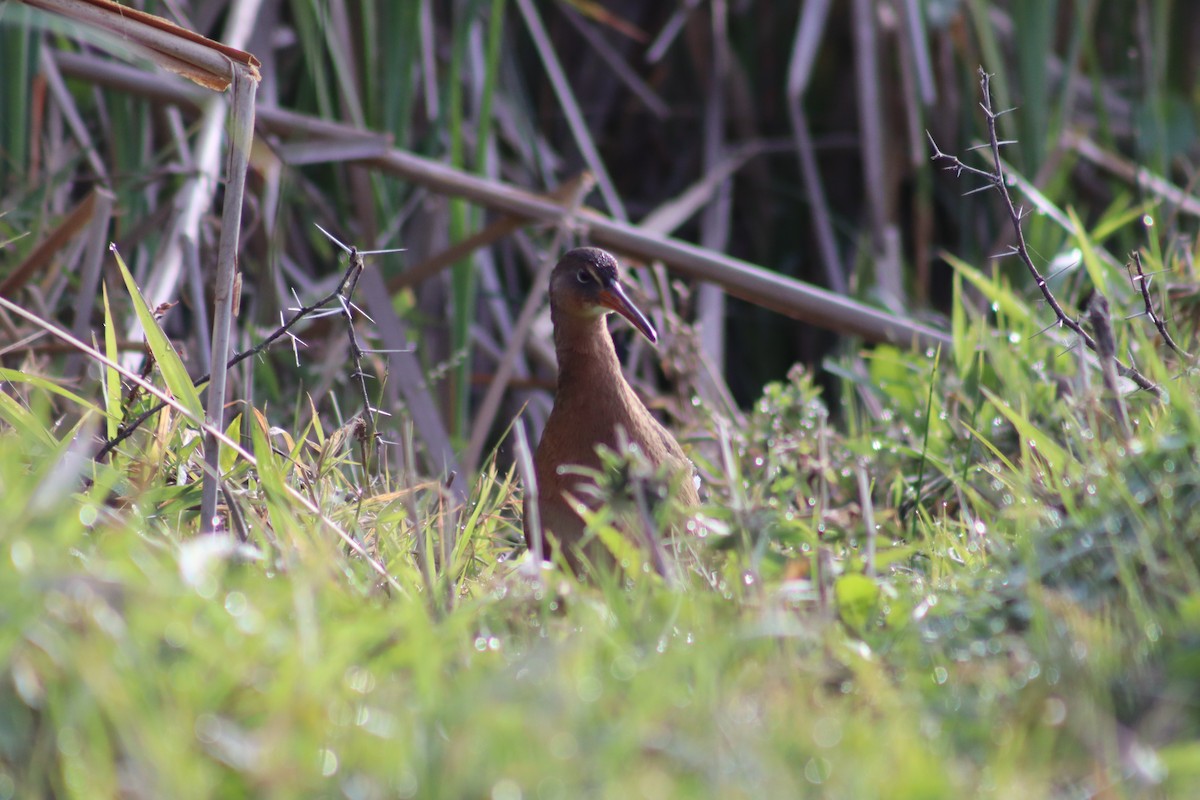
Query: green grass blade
[[175, 375], [1091, 261], [24, 421], [112, 378], [1003, 299], [1032, 437], [16, 376]]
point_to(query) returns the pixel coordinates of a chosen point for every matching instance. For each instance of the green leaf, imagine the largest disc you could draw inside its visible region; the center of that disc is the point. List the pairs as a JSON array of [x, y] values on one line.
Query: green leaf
[[964, 345], [892, 371], [857, 600], [270, 472], [179, 383], [1118, 216], [229, 456]]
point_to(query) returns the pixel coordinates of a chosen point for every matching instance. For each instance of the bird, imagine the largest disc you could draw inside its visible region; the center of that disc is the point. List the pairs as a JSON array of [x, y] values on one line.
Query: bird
[[593, 404]]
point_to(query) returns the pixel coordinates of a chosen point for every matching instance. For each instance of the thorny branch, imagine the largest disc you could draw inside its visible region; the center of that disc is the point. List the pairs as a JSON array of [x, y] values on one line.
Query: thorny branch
[[1142, 281], [341, 294], [368, 435], [996, 179]]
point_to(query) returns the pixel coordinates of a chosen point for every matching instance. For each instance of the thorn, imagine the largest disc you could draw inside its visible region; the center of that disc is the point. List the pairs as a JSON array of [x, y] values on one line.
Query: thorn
[[1069, 349], [1070, 266], [382, 252], [332, 238], [1048, 327], [937, 152]]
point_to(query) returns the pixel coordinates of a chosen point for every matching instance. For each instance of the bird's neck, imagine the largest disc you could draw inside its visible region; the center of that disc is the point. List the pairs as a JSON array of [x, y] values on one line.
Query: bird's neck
[[587, 360]]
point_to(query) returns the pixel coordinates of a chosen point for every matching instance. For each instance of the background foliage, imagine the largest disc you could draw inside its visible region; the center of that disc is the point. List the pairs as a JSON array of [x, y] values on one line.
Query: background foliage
[[927, 573]]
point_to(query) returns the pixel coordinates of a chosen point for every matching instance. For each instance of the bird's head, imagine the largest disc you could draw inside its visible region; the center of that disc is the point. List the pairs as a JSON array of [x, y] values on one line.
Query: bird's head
[[586, 283]]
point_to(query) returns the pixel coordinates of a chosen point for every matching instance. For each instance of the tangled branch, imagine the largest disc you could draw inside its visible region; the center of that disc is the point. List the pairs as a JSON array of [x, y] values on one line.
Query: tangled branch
[[1140, 279], [997, 180], [341, 296]]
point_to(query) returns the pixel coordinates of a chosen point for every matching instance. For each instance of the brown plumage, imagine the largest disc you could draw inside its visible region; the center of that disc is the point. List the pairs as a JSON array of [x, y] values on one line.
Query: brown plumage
[[593, 399]]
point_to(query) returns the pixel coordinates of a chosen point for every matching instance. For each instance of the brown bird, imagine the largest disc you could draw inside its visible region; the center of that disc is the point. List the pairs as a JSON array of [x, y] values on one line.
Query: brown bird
[[593, 401]]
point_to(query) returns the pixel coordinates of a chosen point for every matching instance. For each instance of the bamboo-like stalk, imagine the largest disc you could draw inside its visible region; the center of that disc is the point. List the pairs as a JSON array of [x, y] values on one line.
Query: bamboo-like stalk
[[241, 136], [739, 278], [215, 66]]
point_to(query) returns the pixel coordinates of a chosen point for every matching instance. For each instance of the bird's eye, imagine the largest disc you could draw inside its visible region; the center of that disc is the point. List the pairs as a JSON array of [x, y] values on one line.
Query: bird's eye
[[583, 276]]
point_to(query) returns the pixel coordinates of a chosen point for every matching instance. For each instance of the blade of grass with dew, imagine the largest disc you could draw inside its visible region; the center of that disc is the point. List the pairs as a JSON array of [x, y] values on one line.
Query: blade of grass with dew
[[1003, 299], [16, 376], [274, 482], [1120, 215], [1032, 438], [112, 378], [1091, 262], [174, 373], [1152, 241], [24, 421], [229, 459], [937, 357], [964, 342]]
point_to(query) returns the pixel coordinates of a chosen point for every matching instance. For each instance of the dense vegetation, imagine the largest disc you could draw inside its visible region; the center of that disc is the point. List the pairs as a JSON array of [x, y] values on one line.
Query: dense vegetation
[[937, 572]]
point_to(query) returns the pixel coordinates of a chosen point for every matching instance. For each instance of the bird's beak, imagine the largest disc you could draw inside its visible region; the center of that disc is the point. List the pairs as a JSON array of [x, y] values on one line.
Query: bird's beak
[[614, 297]]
